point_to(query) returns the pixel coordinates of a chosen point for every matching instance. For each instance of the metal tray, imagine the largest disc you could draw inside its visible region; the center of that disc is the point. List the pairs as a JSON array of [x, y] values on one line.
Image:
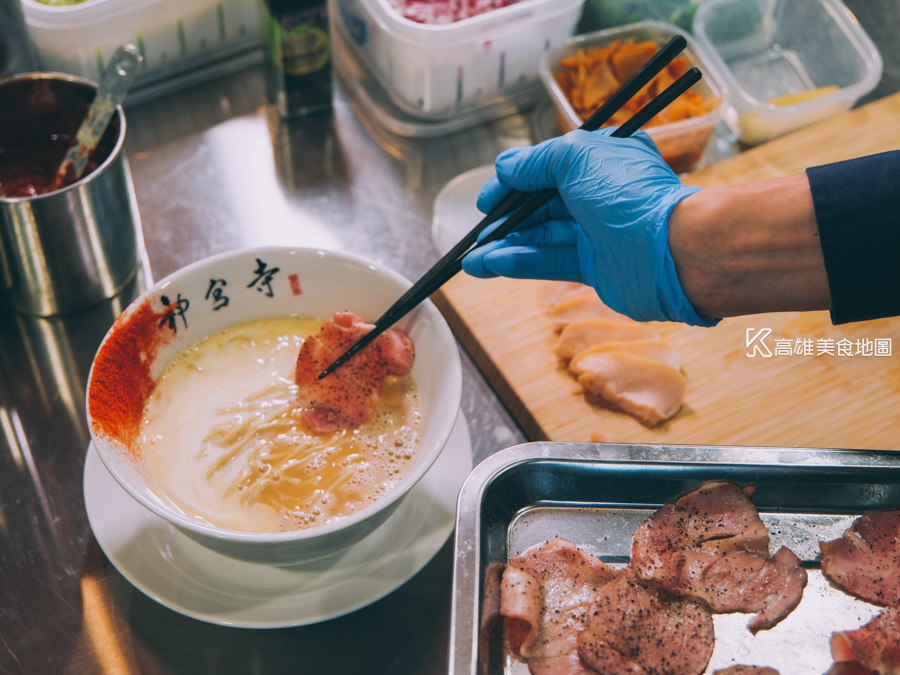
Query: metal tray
[[595, 495]]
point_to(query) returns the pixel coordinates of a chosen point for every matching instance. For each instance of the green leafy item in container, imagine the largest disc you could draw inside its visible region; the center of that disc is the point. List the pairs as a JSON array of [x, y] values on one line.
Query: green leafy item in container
[[599, 14]]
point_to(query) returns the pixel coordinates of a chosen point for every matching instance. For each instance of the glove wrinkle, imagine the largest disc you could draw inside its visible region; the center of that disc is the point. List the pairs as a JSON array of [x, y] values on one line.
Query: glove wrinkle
[[608, 228]]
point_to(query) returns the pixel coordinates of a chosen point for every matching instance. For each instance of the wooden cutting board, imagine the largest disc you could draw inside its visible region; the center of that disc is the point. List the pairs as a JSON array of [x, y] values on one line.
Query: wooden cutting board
[[731, 399]]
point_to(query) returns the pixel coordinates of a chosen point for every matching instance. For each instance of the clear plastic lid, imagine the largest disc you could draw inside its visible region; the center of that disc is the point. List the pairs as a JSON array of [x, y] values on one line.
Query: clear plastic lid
[[785, 63]]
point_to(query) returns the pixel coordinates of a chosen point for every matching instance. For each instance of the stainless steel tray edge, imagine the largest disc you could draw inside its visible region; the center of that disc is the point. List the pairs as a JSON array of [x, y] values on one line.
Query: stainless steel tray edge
[[467, 583]]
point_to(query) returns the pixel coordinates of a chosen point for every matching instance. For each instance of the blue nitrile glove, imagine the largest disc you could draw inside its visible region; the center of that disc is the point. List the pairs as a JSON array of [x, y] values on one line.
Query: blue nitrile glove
[[608, 229]]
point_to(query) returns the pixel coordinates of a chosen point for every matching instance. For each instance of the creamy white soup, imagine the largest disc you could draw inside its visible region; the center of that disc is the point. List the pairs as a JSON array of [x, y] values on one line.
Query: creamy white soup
[[221, 439]]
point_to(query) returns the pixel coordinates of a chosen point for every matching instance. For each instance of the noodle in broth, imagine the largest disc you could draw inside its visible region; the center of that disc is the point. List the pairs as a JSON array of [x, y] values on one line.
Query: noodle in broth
[[222, 441]]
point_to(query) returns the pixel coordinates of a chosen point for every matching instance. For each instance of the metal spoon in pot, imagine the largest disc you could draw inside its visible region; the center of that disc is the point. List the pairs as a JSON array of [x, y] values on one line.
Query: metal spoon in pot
[[116, 82]]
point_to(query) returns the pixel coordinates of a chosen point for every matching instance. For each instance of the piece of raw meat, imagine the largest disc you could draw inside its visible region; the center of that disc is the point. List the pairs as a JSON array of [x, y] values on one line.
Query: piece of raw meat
[[580, 335], [558, 291], [649, 390], [636, 631], [618, 360], [866, 559], [711, 545], [346, 397], [545, 595], [581, 307], [652, 350], [875, 646]]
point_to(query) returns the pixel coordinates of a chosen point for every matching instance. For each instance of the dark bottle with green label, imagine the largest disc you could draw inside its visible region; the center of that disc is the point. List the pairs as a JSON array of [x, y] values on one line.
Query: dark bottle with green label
[[300, 51]]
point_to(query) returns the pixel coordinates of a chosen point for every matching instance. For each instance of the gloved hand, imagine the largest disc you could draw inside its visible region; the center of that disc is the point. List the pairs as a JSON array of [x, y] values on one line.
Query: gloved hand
[[608, 228]]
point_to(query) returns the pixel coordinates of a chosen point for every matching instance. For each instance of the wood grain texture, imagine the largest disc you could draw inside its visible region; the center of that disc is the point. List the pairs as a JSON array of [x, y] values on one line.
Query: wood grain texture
[[731, 399]]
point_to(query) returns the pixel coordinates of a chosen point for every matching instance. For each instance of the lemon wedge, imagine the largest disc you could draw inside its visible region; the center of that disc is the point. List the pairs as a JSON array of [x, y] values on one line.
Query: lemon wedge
[[794, 99]]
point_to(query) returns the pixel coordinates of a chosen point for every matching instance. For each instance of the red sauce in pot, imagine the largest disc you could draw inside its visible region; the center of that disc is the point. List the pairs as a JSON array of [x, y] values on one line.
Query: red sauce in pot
[[38, 122]]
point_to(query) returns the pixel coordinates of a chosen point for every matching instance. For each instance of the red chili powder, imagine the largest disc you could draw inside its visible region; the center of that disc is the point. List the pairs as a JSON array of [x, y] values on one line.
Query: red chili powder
[[121, 381]]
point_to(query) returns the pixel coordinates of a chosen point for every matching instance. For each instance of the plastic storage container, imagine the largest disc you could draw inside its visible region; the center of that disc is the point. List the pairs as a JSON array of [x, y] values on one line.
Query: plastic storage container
[[372, 104], [810, 54], [174, 36], [682, 143], [439, 71]]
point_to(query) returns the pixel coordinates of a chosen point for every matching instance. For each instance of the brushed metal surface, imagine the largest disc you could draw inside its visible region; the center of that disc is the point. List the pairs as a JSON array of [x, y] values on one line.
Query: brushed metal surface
[[595, 495], [214, 170]]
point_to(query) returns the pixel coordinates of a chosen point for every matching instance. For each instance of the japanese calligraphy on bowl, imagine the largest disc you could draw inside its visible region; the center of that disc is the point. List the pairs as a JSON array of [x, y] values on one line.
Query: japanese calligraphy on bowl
[[234, 288]]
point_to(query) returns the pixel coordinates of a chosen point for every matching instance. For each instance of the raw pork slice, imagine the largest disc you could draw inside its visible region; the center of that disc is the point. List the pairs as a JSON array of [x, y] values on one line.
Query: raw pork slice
[[866, 559], [581, 335], [545, 595], [345, 398], [711, 545], [652, 350], [746, 670], [635, 631], [875, 646], [649, 390], [581, 307]]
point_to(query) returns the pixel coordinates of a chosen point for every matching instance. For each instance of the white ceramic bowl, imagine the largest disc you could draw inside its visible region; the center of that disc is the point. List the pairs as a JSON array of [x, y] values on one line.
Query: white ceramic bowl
[[308, 282]]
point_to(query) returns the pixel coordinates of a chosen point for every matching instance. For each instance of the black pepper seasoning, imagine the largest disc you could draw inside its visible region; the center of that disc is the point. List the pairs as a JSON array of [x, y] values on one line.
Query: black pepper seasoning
[[300, 52]]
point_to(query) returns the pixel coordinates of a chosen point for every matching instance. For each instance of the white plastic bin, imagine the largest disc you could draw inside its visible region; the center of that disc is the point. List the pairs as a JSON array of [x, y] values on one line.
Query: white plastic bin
[[766, 50], [173, 35], [438, 71]]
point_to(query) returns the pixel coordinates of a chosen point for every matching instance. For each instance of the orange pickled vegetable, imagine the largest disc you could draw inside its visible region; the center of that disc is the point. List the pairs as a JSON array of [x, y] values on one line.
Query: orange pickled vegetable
[[590, 77]]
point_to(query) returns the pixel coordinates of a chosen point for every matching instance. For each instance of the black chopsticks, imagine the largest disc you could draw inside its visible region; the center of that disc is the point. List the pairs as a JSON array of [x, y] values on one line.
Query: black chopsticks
[[521, 205], [644, 115]]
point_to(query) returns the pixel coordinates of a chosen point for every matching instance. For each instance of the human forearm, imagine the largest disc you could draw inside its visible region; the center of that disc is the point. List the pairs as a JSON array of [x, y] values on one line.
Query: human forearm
[[750, 249]]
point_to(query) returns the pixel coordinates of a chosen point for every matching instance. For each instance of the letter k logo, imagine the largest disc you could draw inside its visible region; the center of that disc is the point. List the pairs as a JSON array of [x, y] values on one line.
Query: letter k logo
[[758, 342]]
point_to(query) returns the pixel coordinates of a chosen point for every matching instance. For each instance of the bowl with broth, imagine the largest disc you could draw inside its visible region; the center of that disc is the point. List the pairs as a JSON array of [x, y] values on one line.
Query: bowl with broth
[[192, 404]]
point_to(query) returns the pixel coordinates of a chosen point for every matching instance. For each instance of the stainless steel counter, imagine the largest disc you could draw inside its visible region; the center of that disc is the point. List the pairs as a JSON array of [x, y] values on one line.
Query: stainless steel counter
[[215, 170]]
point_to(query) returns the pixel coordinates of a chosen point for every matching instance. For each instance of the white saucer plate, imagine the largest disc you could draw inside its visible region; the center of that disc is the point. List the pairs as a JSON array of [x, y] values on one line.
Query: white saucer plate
[[455, 213], [193, 580]]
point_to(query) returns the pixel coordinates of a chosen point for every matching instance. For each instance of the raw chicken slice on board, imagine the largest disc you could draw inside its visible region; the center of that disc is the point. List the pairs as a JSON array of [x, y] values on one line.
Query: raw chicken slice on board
[[581, 335], [649, 390], [652, 350]]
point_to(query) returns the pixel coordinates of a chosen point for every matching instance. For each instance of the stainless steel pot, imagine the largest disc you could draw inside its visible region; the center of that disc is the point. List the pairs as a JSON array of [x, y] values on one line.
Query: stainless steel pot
[[66, 250]]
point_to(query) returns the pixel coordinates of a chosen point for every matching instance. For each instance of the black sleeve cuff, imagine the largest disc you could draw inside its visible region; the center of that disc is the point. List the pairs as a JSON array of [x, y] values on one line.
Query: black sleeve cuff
[[857, 206]]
